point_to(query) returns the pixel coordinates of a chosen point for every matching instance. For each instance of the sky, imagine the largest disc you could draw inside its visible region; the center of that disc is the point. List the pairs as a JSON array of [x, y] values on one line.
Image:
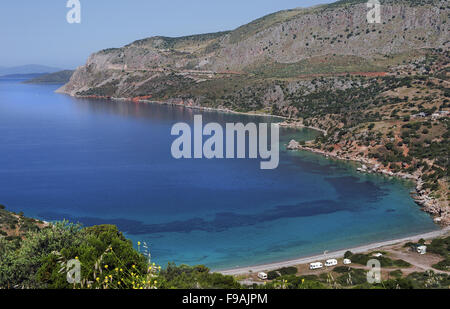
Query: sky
[[37, 32]]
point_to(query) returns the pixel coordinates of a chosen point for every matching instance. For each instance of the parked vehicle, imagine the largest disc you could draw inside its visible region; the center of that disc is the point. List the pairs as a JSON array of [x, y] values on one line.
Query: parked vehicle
[[422, 250], [331, 262], [317, 265], [262, 276], [347, 261]]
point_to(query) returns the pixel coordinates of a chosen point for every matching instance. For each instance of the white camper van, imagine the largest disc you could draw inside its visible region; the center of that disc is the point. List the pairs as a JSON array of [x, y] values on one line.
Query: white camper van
[[331, 262], [347, 261], [262, 276], [422, 250], [317, 265]]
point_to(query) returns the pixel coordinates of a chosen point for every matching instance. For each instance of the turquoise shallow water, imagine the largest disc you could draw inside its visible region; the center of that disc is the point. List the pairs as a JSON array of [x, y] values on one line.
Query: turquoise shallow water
[[109, 162]]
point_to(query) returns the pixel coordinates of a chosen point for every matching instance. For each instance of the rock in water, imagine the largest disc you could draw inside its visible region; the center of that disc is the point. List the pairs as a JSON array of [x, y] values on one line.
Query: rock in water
[[293, 145]]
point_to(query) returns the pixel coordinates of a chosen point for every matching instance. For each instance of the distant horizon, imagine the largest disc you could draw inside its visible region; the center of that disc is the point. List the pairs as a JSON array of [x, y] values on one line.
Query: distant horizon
[[6, 66], [56, 43]]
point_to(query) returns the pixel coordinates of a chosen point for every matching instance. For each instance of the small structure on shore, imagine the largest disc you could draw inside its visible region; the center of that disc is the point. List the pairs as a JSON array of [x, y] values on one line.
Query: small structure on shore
[[347, 261], [331, 262], [422, 250], [262, 276], [314, 266]]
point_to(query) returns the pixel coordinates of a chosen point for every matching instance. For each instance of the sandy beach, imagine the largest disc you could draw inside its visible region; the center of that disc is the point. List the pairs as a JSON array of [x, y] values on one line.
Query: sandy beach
[[334, 254]]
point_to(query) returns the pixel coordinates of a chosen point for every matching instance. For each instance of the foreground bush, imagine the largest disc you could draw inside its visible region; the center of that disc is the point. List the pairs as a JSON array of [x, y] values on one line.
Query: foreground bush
[[38, 260], [197, 277], [108, 261]]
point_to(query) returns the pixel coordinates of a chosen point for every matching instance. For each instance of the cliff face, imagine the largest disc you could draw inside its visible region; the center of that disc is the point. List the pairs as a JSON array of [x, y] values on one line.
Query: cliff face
[[266, 46]]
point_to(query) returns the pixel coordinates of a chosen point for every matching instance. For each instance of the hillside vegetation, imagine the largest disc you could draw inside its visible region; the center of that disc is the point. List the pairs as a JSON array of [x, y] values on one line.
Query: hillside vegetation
[[38, 259], [56, 78]]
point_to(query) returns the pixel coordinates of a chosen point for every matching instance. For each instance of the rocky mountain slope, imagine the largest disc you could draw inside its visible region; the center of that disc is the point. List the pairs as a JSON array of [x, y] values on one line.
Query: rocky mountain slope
[[328, 38]]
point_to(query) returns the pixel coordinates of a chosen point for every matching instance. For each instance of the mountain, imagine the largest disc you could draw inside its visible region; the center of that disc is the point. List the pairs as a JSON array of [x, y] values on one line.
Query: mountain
[[27, 69], [60, 77], [334, 38], [22, 76]]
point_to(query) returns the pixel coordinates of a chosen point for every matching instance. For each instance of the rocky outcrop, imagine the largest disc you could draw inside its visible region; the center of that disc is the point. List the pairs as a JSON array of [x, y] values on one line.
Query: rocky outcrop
[[438, 209], [293, 145]]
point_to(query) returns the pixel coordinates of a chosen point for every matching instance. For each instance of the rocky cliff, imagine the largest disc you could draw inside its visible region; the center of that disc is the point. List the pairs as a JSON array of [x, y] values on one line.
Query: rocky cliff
[[329, 38]]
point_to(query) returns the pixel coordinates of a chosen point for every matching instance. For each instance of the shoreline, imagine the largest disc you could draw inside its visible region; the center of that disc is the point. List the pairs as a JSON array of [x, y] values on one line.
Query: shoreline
[[427, 203], [284, 123], [201, 108], [331, 255]]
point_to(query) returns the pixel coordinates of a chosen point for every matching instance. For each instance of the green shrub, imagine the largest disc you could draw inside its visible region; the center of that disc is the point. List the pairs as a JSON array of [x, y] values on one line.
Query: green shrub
[[362, 259], [353, 277], [443, 265], [288, 271], [271, 275], [440, 246], [399, 283], [342, 269], [20, 261], [196, 277], [36, 261], [396, 273]]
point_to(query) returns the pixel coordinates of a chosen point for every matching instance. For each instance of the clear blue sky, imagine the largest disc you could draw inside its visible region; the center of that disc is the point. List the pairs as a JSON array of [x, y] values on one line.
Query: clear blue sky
[[36, 31]]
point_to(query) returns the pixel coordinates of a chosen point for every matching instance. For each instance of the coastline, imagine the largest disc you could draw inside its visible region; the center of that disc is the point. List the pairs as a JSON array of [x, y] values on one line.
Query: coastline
[[201, 108], [190, 105], [430, 205], [331, 255], [425, 201]]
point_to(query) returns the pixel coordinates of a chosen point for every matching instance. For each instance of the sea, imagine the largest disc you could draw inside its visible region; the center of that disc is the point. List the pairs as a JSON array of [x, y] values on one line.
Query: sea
[[95, 161]]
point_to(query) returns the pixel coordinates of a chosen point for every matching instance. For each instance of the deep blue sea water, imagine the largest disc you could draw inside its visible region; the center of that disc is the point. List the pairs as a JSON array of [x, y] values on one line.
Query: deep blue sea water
[[98, 162]]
